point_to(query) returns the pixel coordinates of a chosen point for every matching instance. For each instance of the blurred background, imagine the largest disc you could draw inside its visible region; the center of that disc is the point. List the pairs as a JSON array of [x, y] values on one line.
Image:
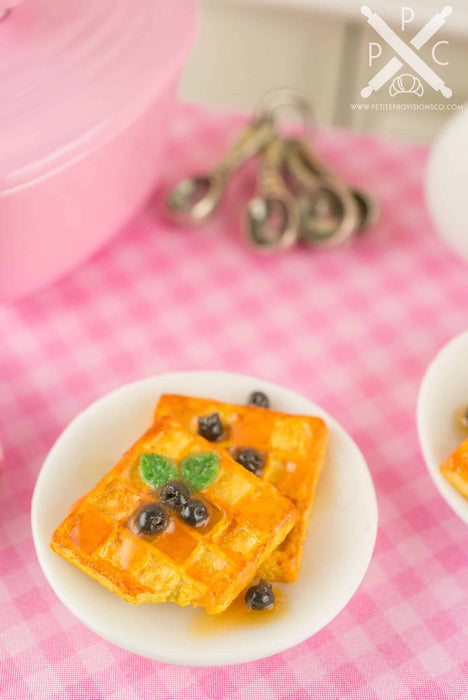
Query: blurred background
[[321, 48]]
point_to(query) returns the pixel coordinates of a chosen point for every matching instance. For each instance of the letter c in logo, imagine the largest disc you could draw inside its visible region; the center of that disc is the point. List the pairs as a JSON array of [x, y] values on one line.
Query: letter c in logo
[[440, 63]]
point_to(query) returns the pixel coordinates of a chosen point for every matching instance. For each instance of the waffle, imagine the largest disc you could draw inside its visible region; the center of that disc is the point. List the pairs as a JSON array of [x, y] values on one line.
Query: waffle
[[294, 448], [455, 469], [207, 565]]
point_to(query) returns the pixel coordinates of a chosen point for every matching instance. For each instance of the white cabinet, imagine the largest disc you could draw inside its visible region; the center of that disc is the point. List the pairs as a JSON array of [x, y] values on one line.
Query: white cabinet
[[244, 50], [320, 48]]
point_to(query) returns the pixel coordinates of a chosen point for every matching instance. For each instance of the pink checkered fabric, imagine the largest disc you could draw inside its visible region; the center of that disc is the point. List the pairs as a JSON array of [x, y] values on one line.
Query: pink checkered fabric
[[352, 329]]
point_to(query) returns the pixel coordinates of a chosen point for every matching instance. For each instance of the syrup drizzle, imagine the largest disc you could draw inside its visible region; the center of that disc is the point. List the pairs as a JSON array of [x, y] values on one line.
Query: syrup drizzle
[[237, 616]]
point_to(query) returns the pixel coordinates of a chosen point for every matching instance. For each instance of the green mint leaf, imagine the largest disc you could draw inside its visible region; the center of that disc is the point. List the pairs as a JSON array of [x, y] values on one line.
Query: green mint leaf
[[200, 470], [156, 470]]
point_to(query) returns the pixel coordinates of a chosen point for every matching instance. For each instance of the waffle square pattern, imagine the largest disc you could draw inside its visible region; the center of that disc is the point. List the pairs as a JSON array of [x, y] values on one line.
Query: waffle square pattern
[[206, 566], [293, 449]]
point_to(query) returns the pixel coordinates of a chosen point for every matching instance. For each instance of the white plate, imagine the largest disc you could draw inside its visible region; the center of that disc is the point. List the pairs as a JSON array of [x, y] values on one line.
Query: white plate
[[443, 392], [338, 550]]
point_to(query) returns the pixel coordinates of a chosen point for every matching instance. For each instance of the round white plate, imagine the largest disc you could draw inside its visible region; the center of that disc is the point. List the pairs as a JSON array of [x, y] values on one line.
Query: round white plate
[[443, 392], [337, 553]]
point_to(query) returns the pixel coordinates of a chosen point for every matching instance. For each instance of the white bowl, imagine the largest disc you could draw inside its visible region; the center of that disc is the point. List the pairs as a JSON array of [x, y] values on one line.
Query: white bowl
[[338, 550], [443, 392], [446, 177]]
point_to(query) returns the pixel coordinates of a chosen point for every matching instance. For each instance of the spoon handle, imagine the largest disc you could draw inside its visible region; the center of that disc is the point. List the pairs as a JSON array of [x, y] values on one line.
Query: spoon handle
[[271, 178], [272, 222], [304, 163], [250, 142]]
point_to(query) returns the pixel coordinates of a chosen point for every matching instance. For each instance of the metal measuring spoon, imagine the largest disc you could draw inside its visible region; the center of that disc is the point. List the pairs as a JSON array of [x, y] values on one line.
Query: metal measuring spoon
[[368, 209], [328, 212], [272, 220], [327, 216], [195, 198], [306, 163]]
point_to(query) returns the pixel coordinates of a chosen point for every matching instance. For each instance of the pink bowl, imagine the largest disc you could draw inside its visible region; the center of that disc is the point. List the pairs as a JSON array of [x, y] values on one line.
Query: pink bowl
[[88, 88]]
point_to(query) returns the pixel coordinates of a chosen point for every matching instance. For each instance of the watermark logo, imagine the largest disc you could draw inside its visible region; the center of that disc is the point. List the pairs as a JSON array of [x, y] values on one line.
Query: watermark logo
[[406, 53]]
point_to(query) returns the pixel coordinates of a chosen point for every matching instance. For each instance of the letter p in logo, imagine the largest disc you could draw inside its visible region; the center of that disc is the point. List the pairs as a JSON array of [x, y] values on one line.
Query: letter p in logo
[[407, 16], [373, 55]]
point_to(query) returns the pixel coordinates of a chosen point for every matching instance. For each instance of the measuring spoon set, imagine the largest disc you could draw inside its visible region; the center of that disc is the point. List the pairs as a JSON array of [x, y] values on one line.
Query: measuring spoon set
[[298, 197]]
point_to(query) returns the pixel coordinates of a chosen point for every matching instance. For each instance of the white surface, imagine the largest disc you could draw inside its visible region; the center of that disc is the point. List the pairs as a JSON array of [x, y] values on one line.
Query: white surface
[[337, 553], [444, 390], [446, 183]]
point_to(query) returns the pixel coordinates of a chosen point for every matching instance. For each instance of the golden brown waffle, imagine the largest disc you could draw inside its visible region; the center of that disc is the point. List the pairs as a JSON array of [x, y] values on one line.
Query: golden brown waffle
[[455, 469], [206, 566], [294, 449]]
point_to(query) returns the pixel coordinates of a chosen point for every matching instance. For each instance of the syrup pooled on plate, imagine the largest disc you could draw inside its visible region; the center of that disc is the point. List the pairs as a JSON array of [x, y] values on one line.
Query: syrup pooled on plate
[[238, 615]]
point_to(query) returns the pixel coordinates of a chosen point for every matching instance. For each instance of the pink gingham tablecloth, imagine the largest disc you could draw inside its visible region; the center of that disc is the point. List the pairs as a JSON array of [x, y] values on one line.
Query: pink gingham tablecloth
[[352, 329]]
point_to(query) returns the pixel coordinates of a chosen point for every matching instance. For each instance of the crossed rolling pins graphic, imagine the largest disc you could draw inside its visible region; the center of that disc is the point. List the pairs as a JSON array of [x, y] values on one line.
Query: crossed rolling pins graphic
[[406, 52]]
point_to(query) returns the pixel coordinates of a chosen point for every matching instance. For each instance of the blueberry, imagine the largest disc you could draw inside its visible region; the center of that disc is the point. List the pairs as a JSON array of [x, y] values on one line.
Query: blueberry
[[194, 513], [260, 596], [174, 495], [258, 398], [251, 459], [152, 519], [210, 427]]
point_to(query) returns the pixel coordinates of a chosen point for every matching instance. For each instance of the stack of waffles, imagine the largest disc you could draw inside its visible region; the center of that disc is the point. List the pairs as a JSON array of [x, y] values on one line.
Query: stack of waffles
[[256, 523], [455, 469]]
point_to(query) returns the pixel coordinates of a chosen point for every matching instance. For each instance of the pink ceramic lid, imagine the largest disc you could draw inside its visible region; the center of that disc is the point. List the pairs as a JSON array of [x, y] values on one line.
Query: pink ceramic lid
[[74, 72], [8, 4]]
